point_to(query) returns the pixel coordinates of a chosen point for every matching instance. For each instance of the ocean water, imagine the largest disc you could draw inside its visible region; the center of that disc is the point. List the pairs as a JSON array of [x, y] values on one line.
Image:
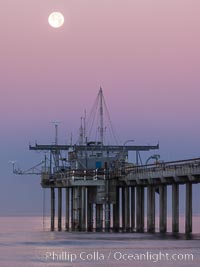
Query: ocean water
[[24, 242]]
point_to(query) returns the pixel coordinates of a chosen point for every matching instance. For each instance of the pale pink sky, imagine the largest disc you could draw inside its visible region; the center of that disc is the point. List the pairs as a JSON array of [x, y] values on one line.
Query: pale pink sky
[[144, 53]]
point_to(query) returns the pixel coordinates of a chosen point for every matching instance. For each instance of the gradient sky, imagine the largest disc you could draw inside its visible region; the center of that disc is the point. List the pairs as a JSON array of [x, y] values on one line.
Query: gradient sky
[[144, 53]]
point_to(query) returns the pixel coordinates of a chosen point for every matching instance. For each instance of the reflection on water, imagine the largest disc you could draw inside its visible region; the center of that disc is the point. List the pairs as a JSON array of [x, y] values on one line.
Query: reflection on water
[[24, 243]]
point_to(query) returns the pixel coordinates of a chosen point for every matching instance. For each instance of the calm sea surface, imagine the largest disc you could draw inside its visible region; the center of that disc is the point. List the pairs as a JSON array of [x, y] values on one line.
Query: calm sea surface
[[24, 242]]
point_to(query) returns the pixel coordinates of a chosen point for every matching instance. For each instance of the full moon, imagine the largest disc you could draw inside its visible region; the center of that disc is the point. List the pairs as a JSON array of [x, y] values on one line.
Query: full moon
[[56, 19]]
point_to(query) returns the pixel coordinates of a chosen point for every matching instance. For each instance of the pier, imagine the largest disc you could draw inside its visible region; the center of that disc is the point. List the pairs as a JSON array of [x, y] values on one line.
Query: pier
[[113, 199], [102, 191]]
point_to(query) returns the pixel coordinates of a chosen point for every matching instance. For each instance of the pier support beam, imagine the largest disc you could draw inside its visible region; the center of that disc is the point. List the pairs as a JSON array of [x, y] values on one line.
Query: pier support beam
[[175, 208], [132, 208], [94, 217], [76, 200], [82, 210], [67, 209], [86, 209], [188, 208], [116, 211], [120, 209], [163, 208], [129, 208], [107, 217], [70, 208], [103, 217], [151, 208], [52, 209], [126, 208], [111, 217], [140, 209], [59, 209]]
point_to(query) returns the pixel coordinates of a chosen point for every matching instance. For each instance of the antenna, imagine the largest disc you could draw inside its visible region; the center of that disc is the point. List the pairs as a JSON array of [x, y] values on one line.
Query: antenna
[[101, 115], [84, 126], [71, 139], [56, 123], [56, 152], [81, 137]]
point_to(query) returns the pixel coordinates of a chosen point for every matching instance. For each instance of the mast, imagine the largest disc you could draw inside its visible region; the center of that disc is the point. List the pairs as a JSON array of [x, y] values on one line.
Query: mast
[[101, 115], [56, 134], [81, 136], [84, 128], [56, 152]]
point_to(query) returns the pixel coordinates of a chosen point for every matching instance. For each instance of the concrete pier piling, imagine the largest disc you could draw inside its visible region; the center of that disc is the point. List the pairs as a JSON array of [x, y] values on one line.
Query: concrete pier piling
[[103, 217], [76, 202], [111, 217], [86, 208], [83, 213], [126, 209], [140, 209], [130, 206], [132, 215], [94, 216], [52, 209], [120, 209], [150, 208], [59, 209], [175, 208], [83, 210], [107, 222], [163, 208], [67, 209], [70, 208], [188, 208]]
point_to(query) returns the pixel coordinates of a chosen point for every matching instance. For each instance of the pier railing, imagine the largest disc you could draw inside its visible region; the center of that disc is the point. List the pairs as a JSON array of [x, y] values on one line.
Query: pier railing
[[66, 177], [165, 169]]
